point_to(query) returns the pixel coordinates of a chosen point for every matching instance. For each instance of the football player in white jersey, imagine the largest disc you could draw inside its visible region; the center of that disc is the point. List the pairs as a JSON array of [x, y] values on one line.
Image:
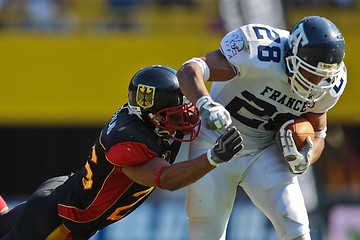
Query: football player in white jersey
[[263, 76]]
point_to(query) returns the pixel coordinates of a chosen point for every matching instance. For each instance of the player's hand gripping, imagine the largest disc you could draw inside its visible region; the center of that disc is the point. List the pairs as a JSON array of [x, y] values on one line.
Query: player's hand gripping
[[227, 145], [298, 161], [213, 114]]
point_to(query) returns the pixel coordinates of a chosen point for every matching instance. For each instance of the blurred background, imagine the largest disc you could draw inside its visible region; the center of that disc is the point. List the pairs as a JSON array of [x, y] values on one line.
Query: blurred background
[[65, 66]]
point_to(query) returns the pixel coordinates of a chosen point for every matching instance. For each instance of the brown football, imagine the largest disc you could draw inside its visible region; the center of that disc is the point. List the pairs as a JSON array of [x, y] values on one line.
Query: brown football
[[301, 128]]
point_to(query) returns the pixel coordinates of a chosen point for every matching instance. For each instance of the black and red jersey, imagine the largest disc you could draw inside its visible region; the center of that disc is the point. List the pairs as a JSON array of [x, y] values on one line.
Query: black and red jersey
[[99, 193]]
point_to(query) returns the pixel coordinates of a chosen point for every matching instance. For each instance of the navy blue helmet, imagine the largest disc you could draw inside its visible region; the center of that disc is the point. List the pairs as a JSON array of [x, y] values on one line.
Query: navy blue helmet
[[317, 46]]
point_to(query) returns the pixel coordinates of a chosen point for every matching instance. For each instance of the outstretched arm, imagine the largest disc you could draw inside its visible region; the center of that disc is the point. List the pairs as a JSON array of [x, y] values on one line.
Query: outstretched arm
[[159, 173]]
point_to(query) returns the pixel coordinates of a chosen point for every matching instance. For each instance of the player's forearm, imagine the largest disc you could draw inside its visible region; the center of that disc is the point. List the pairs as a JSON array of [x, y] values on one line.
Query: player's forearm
[[191, 82], [182, 174], [319, 144]]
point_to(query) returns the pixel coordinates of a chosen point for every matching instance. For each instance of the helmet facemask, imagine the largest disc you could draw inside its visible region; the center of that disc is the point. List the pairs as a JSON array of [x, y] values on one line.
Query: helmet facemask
[[303, 87], [184, 118]]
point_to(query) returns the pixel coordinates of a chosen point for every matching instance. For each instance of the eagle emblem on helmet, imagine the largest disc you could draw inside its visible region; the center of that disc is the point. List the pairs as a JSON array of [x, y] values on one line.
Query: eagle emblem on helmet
[[145, 96]]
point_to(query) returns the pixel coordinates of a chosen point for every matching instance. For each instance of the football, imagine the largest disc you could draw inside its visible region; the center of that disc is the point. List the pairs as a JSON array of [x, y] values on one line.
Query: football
[[301, 128]]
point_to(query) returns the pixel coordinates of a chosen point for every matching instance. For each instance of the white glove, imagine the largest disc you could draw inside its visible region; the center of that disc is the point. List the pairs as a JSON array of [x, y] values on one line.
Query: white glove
[[298, 161], [213, 114]]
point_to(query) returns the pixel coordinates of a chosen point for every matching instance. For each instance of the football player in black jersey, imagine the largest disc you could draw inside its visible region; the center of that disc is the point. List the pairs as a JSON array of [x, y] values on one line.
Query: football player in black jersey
[[133, 154]]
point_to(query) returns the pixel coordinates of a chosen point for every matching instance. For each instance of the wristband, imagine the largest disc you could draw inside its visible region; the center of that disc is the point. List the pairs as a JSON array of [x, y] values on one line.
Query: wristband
[[157, 176], [212, 162], [204, 67], [201, 101], [321, 134]]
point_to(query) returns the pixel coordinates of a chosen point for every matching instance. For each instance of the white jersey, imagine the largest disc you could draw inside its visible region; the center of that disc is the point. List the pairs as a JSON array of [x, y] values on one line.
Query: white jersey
[[260, 95]]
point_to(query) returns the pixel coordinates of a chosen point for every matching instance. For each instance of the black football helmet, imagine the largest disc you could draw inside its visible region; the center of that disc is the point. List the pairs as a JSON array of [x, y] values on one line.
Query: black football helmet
[[155, 97], [315, 45]]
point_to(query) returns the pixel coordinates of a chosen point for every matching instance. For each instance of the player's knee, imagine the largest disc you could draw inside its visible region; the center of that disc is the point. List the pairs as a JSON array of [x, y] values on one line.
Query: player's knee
[[292, 220], [202, 198], [199, 204]]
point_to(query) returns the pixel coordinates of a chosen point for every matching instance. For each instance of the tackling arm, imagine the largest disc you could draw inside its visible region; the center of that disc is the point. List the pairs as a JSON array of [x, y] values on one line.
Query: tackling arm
[[159, 173]]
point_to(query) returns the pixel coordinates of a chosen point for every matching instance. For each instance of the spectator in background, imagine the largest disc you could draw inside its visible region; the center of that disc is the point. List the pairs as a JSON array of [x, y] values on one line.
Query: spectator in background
[[50, 16], [186, 3], [11, 13], [121, 14], [311, 3], [235, 13]]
